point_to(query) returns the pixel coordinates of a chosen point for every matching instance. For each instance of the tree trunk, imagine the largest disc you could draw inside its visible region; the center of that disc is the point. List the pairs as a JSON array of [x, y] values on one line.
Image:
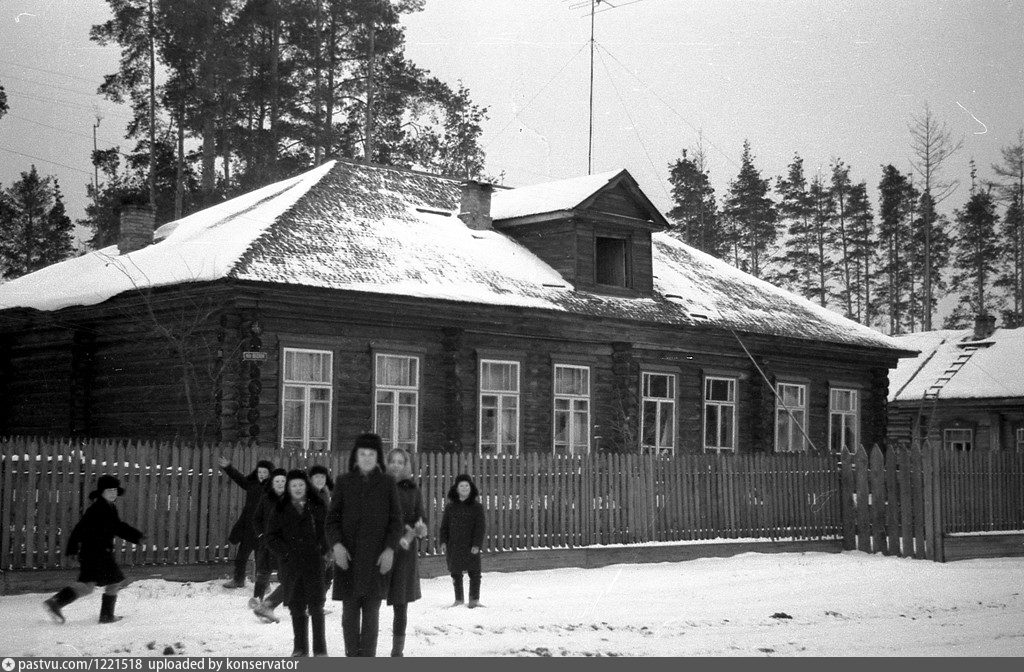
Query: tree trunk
[[179, 176], [368, 131], [152, 110]]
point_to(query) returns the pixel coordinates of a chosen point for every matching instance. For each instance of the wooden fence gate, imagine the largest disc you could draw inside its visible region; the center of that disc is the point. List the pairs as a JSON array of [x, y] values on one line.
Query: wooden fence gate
[[907, 501]]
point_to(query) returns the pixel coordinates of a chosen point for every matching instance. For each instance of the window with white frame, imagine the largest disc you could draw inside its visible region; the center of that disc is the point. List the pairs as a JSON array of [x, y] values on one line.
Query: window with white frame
[[306, 400], [396, 400], [790, 417], [719, 413], [958, 439], [1020, 440], [572, 410], [658, 413], [843, 419], [499, 407]]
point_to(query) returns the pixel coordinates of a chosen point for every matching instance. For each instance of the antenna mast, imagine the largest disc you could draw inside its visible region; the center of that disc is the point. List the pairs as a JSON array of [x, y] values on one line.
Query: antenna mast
[[590, 136]]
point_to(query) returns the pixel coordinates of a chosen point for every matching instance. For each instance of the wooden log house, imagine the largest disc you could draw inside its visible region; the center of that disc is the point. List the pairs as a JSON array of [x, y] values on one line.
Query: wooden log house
[[964, 391], [445, 315]]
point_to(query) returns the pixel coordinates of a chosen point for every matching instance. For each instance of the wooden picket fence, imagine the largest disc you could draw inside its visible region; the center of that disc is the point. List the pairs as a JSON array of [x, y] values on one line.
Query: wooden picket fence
[[186, 505], [905, 501]]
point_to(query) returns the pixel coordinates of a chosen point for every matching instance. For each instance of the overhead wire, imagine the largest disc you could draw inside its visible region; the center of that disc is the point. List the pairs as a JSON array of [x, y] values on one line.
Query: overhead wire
[[632, 123], [534, 97], [39, 158]]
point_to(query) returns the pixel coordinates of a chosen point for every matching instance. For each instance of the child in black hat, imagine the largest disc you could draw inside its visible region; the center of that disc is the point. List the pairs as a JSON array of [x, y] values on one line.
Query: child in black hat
[[92, 540], [242, 532]]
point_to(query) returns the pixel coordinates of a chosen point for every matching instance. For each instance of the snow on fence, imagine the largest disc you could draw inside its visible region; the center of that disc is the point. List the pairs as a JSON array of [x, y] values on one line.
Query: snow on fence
[[186, 505], [905, 501]]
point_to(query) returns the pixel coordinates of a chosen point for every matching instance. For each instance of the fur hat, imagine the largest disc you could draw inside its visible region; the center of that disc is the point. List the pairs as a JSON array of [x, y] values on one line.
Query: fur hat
[[453, 492], [367, 440], [105, 482], [321, 469], [296, 475], [266, 464]]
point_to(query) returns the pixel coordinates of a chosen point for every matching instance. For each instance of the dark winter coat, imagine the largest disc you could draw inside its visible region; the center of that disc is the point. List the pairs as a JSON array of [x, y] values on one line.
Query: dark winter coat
[[243, 529], [265, 559], [92, 540], [462, 527], [365, 518], [405, 573], [297, 541]]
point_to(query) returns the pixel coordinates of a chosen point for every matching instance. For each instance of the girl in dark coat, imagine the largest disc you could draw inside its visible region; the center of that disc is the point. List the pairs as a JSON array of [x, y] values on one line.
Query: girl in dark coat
[[320, 480], [92, 540], [405, 573], [273, 490], [363, 528], [461, 537], [295, 534], [242, 533]]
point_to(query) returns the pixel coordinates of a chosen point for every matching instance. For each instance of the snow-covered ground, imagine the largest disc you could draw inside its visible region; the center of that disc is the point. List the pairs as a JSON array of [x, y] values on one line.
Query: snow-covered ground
[[789, 604]]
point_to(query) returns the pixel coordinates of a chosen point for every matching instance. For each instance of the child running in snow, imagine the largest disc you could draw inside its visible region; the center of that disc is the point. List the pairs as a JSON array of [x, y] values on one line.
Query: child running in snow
[[92, 540], [265, 562], [462, 536]]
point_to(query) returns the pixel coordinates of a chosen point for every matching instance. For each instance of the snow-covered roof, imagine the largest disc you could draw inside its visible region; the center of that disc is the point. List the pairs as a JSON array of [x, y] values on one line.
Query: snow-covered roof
[[994, 370], [349, 226], [548, 196]]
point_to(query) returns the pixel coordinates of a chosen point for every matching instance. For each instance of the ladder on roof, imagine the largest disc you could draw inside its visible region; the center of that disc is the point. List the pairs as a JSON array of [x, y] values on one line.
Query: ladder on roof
[[933, 391]]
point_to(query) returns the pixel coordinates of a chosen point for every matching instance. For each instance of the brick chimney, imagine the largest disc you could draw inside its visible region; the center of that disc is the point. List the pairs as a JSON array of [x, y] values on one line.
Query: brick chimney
[[137, 226], [984, 325], [475, 208]]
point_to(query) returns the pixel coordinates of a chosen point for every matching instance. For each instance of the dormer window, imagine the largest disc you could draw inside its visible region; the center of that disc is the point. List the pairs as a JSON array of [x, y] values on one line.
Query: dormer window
[[611, 263]]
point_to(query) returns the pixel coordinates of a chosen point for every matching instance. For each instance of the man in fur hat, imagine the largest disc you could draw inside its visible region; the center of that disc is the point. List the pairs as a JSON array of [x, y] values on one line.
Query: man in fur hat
[[92, 540]]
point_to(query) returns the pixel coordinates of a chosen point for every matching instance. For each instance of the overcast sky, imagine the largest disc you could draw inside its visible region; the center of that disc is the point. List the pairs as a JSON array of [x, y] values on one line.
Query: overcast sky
[[824, 79]]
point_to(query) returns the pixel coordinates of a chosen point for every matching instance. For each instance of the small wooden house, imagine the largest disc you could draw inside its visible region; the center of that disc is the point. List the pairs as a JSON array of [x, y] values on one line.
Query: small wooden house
[[964, 390], [443, 315]]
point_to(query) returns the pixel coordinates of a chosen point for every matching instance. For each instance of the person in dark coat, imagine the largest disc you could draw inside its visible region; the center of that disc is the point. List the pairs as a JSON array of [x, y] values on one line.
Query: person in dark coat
[[320, 479], [323, 484], [295, 534], [363, 529], [405, 573], [242, 533], [273, 490], [92, 540], [461, 537]]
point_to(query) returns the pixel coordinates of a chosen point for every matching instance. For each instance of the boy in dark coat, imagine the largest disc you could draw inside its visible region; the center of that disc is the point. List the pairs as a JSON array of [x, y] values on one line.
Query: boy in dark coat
[[242, 533], [405, 573], [92, 540], [274, 490], [295, 534], [461, 537], [363, 529]]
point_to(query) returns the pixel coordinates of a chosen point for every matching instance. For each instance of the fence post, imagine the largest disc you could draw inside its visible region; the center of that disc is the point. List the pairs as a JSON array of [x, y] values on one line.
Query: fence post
[[846, 490], [938, 525]]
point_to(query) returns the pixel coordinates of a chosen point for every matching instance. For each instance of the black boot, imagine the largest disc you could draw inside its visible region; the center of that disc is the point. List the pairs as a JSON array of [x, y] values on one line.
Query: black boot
[[398, 646], [319, 637], [300, 627], [107, 609], [459, 595], [61, 599]]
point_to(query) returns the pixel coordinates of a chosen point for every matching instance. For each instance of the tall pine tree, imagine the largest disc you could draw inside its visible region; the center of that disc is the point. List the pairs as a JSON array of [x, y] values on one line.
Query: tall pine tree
[[35, 231], [1011, 190], [974, 262], [805, 263], [896, 198], [751, 215], [695, 213]]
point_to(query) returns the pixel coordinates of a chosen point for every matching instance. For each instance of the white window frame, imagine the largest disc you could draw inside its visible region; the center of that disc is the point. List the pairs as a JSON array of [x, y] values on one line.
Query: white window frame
[[661, 402], [708, 402], [957, 444], [306, 386], [572, 400], [397, 391], [844, 415], [502, 397], [781, 409]]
